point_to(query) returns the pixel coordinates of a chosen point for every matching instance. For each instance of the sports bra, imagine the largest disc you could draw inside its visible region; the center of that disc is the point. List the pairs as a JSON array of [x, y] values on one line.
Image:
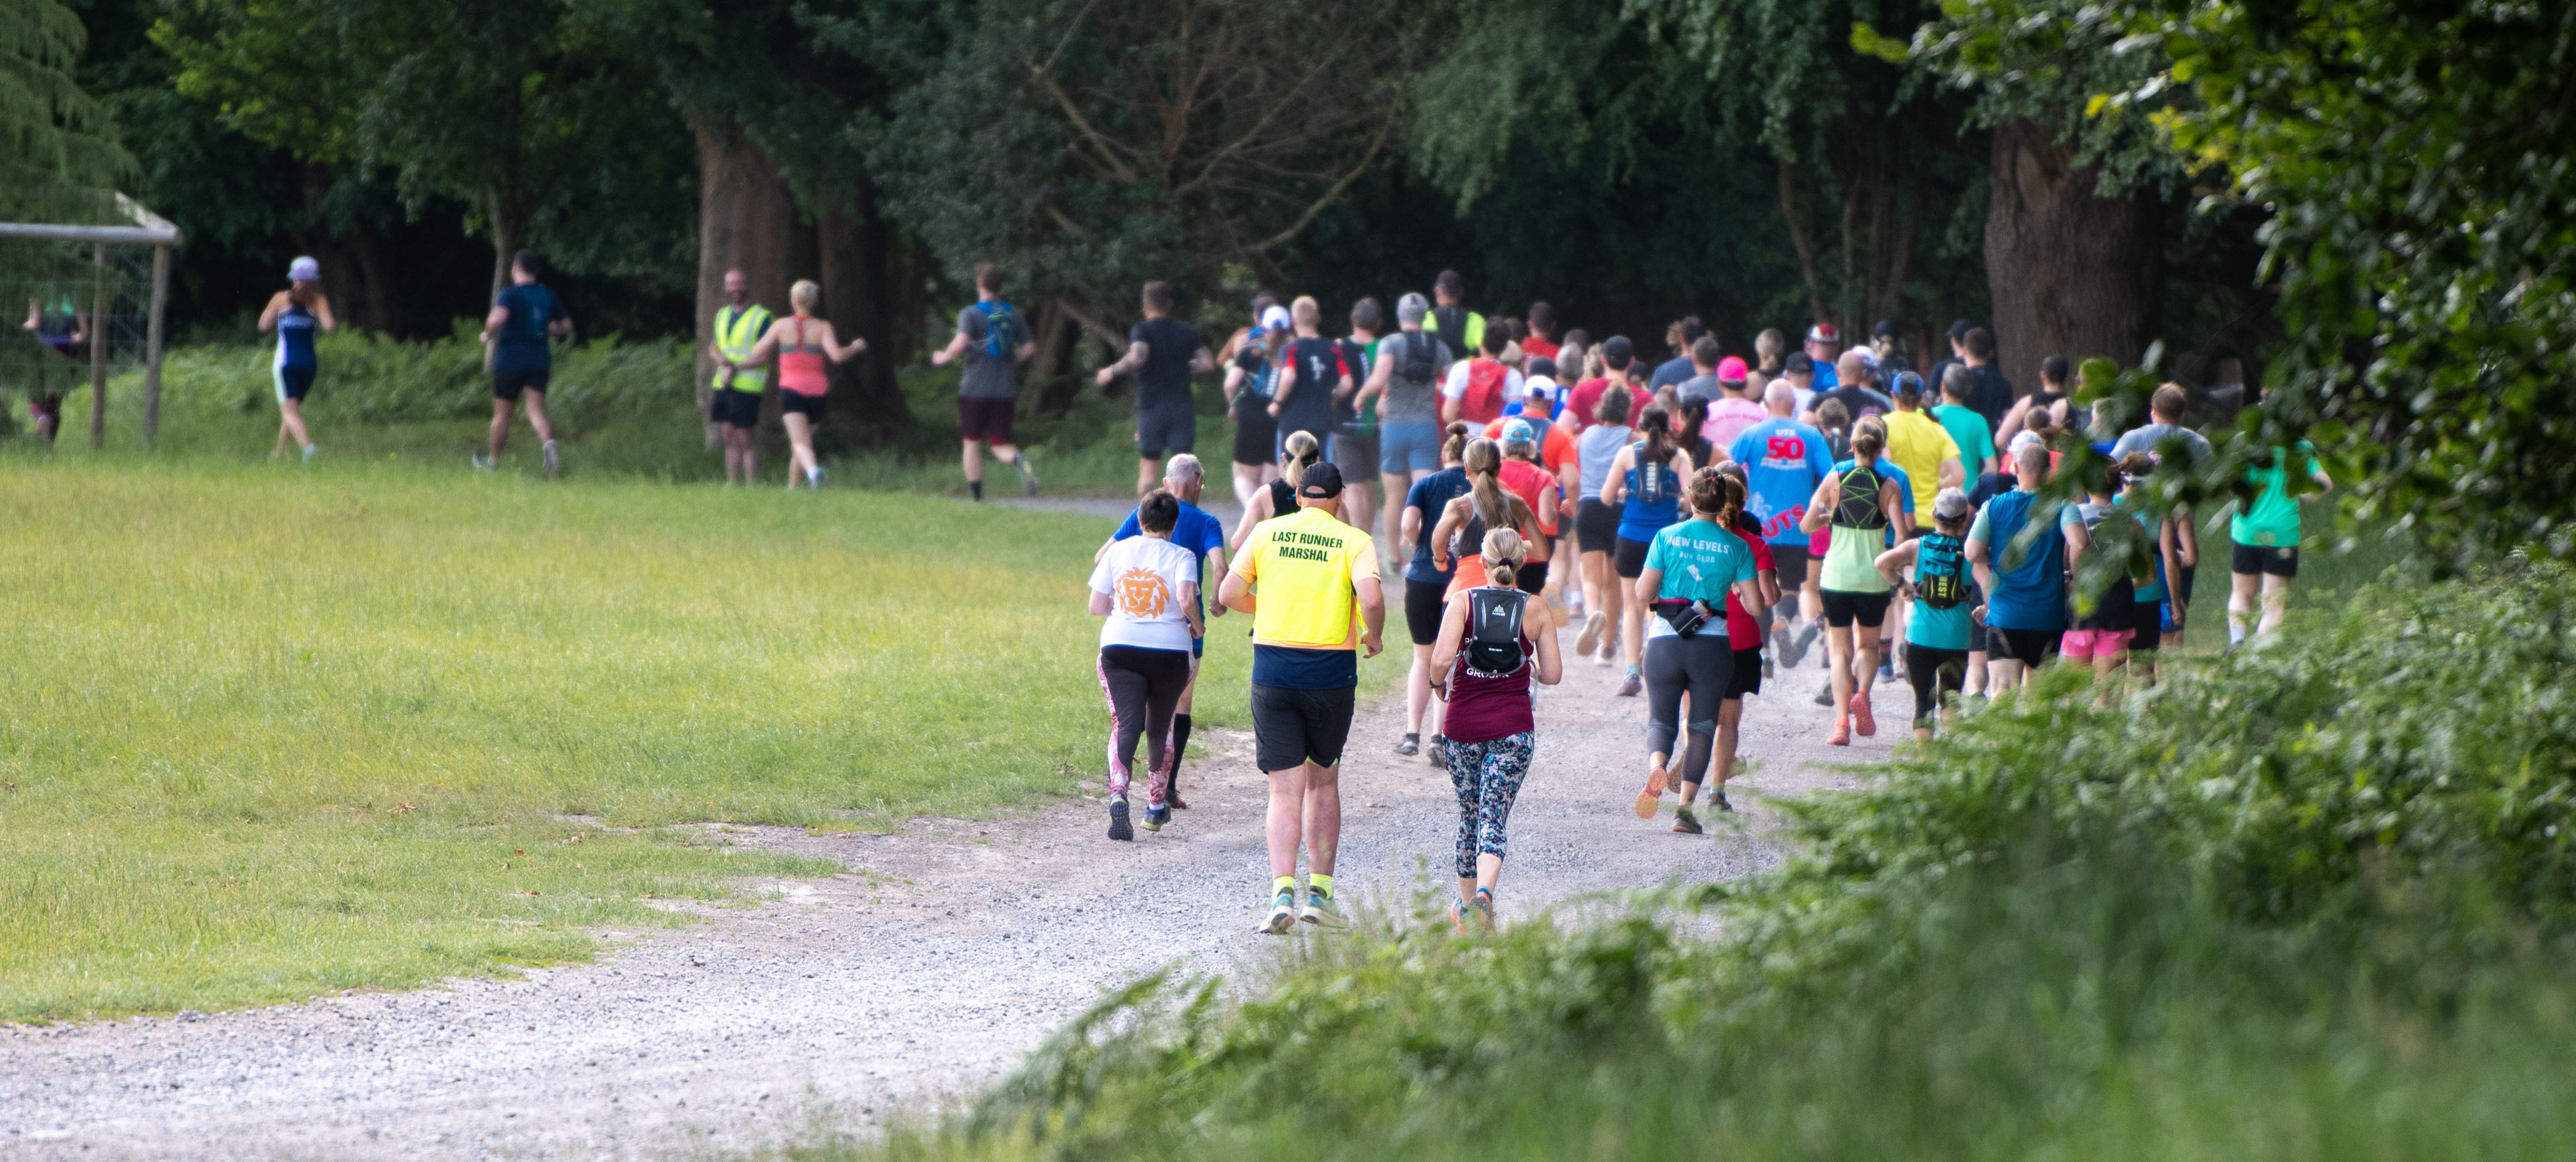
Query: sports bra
[[800, 368]]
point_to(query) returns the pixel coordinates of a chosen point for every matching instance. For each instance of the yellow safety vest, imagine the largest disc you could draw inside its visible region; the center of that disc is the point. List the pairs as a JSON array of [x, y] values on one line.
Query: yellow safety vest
[[1303, 566], [738, 330]]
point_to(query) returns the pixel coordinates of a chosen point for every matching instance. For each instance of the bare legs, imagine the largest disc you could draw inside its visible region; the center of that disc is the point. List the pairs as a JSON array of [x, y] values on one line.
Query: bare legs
[[1417, 694], [534, 403], [290, 424], [742, 455], [1149, 469], [1854, 653], [974, 458], [1305, 801], [800, 448], [1248, 479]]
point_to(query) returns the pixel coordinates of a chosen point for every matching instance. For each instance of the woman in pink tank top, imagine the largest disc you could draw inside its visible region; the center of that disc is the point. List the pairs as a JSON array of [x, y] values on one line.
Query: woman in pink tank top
[[802, 341]]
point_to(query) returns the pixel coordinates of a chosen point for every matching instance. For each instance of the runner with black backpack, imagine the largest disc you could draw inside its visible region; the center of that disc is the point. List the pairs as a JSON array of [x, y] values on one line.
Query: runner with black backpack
[[1860, 504], [1493, 641], [1405, 383], [1944, 624]]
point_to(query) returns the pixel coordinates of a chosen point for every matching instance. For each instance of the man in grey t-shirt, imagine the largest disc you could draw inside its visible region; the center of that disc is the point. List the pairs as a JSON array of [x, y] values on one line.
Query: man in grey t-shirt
[[1702, 384], [1410, 366], [2165, 409], [992, 338]]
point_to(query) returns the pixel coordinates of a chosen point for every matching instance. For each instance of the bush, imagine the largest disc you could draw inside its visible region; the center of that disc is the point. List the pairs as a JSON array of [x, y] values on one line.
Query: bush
[[2310, 900], [369, 379]]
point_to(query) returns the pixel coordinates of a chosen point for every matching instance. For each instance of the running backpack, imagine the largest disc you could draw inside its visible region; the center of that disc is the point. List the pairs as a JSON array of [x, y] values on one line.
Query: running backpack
[[1654, 481], [1418, 352], [1859, 508], [1494, 632], [1939, 570], [1484, 397], [1001, 329]]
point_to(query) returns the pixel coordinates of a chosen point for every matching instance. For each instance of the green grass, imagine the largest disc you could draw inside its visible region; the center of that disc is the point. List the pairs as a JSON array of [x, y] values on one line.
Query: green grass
[[272, 731]]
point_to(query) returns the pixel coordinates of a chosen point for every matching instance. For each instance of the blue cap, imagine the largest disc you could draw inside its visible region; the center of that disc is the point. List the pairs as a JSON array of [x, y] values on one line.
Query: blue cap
[[1518, 431]]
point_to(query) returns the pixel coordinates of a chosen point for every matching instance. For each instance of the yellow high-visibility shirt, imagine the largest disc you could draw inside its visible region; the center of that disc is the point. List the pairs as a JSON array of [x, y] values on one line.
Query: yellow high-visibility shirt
[[1305, 568]]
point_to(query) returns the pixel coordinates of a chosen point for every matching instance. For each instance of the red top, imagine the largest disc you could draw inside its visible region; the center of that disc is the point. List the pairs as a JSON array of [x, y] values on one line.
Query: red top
[[1485, 709], [1526, 481], [1543, 348], [1483, 399], [800, 368], [1740, 626]]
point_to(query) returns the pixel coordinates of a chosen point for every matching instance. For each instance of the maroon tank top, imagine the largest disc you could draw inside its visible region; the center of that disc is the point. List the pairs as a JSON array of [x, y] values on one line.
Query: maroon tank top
[[1483, 709]]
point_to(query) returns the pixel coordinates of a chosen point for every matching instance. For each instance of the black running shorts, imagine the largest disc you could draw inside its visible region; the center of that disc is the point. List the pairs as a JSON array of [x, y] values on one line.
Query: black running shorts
[[2147, 639], [1843, 608], [1290, 727], [1746, 677], [509, 382], [1790, 561], [812, 407], [1596, 526], [1630, 558], [2030, 647], [2270, 560], [1425, 603], [740, 409]]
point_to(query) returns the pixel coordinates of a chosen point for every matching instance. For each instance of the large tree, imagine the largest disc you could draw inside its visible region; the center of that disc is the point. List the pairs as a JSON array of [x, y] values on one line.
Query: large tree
[[54, 138], [1091, 147]]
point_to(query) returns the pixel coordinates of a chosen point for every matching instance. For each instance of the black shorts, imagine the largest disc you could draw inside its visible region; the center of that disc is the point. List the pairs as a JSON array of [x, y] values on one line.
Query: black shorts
[[1746, 677], [2149, 620], [1425, 603], [1166, 428], [2270, 560], [740, 409], [797, 403], [1630, 558], [509, 382], [1531, 578], [1596, 526], [1843, 608], [1256, 434], [985, 419], [1356, 456], [1790, 562], [2030, 647], [1290, 727]]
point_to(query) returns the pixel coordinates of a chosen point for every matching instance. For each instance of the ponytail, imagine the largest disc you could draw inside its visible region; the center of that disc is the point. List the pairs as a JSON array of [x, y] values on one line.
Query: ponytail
[[1868, 440], [1714, 493], [1484, 459], [1301, 450], [1453, 445], [1656, 426], [1503, 552]]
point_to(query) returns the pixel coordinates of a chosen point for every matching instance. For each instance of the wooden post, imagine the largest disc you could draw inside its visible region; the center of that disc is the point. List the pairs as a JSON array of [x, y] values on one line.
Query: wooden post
[[152, 345], [98, 343]]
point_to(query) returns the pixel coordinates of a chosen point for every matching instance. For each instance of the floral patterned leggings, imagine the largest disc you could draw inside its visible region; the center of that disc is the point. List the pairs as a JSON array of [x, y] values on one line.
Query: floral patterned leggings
[[1488, 777]]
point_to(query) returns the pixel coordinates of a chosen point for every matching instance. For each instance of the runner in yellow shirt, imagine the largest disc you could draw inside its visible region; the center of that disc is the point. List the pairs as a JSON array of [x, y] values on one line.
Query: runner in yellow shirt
[[1310, 583]]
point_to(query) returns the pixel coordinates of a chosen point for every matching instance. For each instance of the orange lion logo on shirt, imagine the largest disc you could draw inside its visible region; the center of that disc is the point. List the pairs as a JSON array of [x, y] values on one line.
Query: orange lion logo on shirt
[[1141, 594]]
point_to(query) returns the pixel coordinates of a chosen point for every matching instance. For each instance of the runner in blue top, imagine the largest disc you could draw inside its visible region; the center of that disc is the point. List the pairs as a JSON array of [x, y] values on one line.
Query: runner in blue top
[[524, 319], [295, 314], [1784, 461], [1645, 485], [1184, 477], [1426, 584], [2025, 584], [1943, 625]]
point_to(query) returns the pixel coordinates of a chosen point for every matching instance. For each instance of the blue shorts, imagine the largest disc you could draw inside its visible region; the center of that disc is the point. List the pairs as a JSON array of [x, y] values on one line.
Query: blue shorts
[[1408, 447]]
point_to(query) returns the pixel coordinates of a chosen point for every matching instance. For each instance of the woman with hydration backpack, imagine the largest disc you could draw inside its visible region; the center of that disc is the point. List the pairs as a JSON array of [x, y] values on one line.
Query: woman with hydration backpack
[[1689, 571], [1493, 641], [1645, 484], [1487, 505], [1251, 383], [1859, 504], [1944, 596]]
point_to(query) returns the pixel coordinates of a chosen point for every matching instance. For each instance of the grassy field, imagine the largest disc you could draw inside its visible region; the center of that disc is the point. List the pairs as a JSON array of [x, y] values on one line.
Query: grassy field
[[272, 731]]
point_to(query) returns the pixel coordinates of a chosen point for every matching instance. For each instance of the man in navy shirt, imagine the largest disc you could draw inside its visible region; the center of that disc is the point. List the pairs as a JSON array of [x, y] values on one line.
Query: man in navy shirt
[[1204, 537], [525, 317]]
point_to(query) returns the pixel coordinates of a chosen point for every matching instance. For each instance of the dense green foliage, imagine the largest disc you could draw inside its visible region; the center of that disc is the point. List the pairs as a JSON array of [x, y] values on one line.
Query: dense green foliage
[[2309, 901], [50, 131]]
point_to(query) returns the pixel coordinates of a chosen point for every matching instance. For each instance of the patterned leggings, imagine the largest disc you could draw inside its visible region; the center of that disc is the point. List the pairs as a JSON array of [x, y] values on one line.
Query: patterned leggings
[[1488, 777]]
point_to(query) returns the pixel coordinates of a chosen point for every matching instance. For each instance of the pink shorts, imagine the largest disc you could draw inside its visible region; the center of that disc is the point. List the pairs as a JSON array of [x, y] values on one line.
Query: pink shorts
[[2094, 643]]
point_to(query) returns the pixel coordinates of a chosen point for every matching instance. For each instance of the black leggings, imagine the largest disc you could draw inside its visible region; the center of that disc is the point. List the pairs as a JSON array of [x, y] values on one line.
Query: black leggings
[[1934, 673], [1699, 666], [1143, 688]]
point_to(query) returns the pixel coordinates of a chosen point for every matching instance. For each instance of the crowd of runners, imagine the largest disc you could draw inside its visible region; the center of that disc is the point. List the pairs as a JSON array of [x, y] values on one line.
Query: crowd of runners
[[1700, 521]]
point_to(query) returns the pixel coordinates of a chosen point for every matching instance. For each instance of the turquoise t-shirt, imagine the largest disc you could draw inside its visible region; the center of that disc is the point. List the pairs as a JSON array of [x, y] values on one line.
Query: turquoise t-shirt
[[1700, 562], [2273, 520], [1976, 440]]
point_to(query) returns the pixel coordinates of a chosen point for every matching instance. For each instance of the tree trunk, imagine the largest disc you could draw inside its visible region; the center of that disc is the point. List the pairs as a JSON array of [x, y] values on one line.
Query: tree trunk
[[746, 221], [1050, 371], [352, 271], [859, 292], [2071, 273], [1793, 211], [509, 227]]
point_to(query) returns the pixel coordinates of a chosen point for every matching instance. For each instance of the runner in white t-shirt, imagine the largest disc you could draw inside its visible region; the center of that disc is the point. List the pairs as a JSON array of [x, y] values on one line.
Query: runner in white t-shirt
[[1148, 589]]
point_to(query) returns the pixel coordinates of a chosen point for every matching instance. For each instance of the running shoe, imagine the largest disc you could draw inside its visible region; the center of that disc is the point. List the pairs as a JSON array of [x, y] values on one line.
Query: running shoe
[[1322, 912], [1480, 911], [1156, 817], [1028, 475], [1439, 752], [1633, 686], [1118, 827], [1717, 799], [554, 458], [1604, 658], [1283, 913], [311, 451], [1825, 697], [814, 477], [1863, 722], [1842, 731], [1590, 639], [1409, 746], [1798, 649], [1684, 823], [1653, 795], [482, 462], [1886, 672], [1767, 671], [1458, 916], [1780, 643]]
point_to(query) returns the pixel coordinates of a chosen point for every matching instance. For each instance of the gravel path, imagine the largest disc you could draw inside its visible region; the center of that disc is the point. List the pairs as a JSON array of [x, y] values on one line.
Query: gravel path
[[942, 957]]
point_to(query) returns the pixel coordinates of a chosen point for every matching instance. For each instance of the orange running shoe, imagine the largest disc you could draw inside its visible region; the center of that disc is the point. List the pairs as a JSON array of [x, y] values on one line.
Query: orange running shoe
[[1653, 796], [1861, 720], [1842, 731]]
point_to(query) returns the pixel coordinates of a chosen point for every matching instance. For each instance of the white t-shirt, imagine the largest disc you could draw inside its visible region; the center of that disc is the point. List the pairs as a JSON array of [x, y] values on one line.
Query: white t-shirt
[[1147, 580], [1455, 387]]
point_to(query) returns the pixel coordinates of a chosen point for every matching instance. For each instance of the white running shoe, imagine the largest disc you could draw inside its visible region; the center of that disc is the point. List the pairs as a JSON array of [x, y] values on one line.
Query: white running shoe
[[482, 462], [1283, 913], [554, 458], [311, 451]]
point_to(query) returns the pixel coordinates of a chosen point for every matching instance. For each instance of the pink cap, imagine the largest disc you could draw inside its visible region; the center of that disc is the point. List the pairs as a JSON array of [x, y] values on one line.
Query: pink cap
[[1730, 370]]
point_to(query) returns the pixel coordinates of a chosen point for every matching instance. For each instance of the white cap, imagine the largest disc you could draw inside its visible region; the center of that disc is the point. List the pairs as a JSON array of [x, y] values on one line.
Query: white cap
[[1275, 319], [1538, 385], [304, 269]]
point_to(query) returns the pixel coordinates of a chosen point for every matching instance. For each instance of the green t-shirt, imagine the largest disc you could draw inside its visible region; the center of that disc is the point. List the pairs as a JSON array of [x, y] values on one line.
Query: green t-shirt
[[2273, 519], [1976, 440]]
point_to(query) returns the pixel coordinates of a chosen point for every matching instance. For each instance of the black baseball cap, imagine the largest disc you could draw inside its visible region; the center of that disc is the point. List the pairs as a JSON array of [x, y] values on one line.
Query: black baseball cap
[[1960, 329], [1617, 345], [1320, 481], [1798, 362]]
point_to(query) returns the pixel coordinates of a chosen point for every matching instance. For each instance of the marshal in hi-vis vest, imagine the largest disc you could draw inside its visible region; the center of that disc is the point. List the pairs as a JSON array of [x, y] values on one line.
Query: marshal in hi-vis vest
[[738, 330]]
